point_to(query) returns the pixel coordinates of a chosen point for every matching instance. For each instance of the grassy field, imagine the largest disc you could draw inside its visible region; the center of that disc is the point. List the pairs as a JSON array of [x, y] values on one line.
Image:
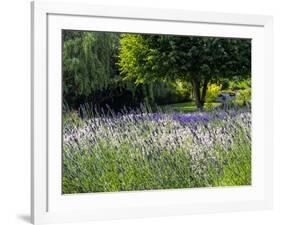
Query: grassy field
[[187, 107], [141, 150]]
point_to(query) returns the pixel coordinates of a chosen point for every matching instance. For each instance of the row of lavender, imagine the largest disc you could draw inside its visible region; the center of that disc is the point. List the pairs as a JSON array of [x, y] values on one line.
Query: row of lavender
[[212, 143]]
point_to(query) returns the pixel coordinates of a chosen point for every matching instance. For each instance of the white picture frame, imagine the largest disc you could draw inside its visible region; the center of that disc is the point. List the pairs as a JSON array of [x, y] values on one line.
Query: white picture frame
[[48, 205]]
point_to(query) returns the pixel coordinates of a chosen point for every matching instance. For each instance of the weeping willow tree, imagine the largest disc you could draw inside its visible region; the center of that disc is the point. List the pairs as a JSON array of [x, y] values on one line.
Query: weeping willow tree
[[91, 74], [86, 63]]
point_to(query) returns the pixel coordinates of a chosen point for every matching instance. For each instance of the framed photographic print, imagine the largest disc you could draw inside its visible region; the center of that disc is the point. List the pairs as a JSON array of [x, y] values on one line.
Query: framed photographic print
[[147, 112]]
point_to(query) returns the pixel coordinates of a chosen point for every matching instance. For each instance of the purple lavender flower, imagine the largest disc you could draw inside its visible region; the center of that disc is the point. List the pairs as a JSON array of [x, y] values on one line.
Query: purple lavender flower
[[187, 118], [156, 116]]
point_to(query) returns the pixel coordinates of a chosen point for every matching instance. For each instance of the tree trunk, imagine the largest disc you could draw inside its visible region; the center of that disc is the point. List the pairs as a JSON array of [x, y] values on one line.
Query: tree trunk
[[196, 90], [199, 95], [204, 91]]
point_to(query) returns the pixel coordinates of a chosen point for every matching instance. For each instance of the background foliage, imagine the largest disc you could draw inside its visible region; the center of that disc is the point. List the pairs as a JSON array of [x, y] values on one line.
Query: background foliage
[[114, 69]]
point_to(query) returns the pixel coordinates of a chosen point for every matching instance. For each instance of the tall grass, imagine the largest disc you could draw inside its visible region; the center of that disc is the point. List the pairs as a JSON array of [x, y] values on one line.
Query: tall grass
[[141, 150]]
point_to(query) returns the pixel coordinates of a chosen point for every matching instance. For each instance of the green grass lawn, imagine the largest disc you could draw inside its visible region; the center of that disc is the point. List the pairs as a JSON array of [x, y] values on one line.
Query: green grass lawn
[[186, 107]]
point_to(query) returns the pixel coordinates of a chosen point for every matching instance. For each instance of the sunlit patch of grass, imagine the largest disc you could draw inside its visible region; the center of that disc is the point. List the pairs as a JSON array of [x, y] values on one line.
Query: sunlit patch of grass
[[187, 107]]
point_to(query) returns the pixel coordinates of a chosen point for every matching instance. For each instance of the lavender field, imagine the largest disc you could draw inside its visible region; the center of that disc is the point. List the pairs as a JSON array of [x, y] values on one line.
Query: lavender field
[[154, 111], [141, 150]]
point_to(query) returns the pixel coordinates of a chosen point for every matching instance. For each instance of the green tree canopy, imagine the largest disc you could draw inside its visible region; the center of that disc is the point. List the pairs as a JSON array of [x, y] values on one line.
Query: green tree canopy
[[86, 62], [199, 60]]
